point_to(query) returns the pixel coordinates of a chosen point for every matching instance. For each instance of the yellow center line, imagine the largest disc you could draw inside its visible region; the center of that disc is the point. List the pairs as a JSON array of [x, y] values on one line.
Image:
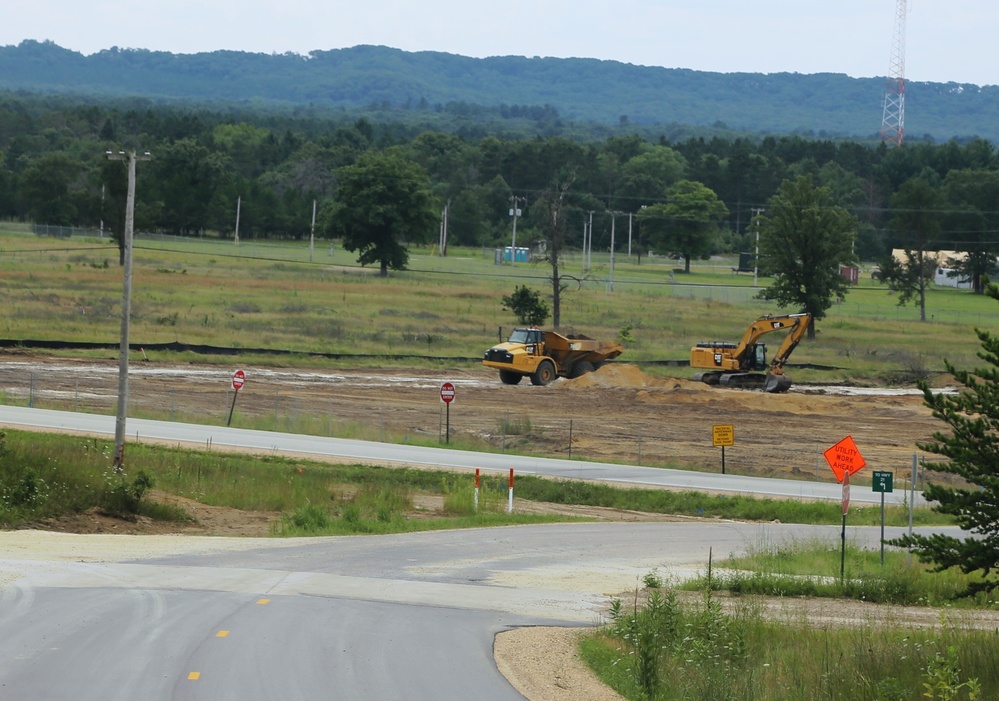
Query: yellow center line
[[222, 634], [194, 676]]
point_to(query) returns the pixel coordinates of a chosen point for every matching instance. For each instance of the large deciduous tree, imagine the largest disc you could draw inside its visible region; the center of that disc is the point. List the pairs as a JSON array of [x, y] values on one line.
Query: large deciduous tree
[[804, 238], [46, 188], [971, 449], [918, 207], [973, 197], [185, 176], [686, 222], [382, 203]]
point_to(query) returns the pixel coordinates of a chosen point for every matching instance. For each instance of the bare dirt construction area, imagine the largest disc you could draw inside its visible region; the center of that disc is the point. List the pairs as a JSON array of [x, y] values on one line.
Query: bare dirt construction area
[[617, 414]]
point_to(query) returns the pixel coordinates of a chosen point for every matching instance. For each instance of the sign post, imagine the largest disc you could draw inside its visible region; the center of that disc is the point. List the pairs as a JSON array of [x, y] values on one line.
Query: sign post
[[882, 482], [723, 435], [844, 459], [842, 535], [447, 396], [238, 379]]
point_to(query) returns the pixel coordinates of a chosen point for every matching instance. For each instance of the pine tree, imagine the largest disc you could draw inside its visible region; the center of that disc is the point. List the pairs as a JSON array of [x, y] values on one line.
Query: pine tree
[[972, 449]]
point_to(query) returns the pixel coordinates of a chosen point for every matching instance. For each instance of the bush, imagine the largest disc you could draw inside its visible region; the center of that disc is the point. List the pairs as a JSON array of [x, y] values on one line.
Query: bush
[[527, 305], [122, 498]]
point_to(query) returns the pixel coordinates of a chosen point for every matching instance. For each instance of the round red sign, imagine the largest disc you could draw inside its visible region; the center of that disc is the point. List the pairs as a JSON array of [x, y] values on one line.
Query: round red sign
[[238, 378], [447, 392]]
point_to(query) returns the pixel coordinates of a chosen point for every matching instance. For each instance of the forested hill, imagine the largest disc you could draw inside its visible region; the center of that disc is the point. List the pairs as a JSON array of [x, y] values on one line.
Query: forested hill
[[606, 92]]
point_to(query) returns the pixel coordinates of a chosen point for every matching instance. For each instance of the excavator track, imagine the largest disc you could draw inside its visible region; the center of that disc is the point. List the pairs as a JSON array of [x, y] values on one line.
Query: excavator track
[[771, 383]]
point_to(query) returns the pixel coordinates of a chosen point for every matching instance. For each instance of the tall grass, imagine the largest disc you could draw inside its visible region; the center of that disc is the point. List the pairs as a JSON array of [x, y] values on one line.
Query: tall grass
[[45, 476], [69, 474], [665, 649], [690, 503], [812, 568], [42, 478]]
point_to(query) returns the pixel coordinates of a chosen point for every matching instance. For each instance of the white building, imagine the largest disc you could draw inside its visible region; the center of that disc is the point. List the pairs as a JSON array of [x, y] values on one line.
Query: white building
[[942, 276]]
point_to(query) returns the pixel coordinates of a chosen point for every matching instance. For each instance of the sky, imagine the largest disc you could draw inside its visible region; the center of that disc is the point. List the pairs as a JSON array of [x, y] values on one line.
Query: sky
[[946, 40]]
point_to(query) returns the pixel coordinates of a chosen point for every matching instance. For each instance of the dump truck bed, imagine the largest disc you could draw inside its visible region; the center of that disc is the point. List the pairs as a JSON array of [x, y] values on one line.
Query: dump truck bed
[[574, 348]]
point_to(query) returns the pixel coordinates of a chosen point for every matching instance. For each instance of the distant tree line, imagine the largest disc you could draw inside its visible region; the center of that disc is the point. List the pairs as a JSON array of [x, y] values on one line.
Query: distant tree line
[[417, 86], [690, 197]]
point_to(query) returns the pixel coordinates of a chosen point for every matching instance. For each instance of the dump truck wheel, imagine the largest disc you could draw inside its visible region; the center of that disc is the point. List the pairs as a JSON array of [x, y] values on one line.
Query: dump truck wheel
[[544, 374], [508, 377], [581, 368]]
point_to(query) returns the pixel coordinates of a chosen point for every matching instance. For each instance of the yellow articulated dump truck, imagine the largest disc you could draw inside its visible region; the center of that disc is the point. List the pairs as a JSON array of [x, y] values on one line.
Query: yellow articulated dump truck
[[544, 356]]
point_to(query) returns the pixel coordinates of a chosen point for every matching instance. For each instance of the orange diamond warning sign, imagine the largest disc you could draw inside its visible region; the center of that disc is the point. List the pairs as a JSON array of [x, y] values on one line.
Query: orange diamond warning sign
[[844, 458]]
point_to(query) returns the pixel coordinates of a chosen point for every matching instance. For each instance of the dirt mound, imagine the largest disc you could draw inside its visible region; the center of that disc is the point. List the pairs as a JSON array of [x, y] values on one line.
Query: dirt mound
[[615, 375], [204, 520]]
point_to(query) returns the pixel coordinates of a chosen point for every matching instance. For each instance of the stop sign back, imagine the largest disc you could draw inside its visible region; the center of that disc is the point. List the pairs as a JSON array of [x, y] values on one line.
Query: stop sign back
[[238, 378], [447, 392]]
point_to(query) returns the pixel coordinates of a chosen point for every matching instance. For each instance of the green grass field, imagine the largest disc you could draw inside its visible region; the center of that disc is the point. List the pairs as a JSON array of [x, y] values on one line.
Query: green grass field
[[271, 295]]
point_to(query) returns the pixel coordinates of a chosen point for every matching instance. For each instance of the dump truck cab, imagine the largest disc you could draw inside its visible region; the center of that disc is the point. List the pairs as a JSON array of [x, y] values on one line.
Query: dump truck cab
[[533, 340]]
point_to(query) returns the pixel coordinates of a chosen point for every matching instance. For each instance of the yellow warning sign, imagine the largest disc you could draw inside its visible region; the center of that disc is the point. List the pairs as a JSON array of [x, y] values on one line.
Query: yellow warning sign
[[723, 435]]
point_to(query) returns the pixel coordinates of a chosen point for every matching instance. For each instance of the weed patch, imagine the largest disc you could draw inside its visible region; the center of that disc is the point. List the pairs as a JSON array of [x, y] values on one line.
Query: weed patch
[[663, 649], [812, 568]]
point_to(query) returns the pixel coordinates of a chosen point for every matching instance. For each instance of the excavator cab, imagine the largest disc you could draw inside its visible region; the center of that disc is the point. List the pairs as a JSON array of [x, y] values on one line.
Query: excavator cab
[[757, 357]]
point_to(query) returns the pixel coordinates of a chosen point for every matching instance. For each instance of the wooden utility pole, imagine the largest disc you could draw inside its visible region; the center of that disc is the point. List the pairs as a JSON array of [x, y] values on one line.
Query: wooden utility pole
[[126, 307]]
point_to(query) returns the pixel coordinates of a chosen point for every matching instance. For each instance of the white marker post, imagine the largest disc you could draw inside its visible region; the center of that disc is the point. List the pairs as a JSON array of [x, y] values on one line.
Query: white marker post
[[476, 490], [509, 504]]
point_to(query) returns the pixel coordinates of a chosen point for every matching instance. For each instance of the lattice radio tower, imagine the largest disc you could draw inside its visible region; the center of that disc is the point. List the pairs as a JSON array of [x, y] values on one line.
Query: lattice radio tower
[[893, 120]]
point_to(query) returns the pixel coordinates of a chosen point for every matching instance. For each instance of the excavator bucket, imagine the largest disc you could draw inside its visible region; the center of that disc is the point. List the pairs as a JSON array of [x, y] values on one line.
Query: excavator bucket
[[776, 383]]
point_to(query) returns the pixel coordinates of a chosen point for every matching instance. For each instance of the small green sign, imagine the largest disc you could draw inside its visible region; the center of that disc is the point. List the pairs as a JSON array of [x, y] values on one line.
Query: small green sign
[[882, 481]]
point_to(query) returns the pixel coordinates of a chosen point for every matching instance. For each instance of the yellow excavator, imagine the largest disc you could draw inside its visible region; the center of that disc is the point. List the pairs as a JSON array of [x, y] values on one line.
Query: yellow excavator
[[736, 364]]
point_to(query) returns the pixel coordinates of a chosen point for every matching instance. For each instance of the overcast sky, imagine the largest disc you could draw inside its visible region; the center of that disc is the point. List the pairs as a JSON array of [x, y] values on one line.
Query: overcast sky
[[947, 40]]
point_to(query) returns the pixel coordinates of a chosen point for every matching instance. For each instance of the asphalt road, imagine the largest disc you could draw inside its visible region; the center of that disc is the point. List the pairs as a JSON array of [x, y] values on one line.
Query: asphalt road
[[409, 616], [274, 442]]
